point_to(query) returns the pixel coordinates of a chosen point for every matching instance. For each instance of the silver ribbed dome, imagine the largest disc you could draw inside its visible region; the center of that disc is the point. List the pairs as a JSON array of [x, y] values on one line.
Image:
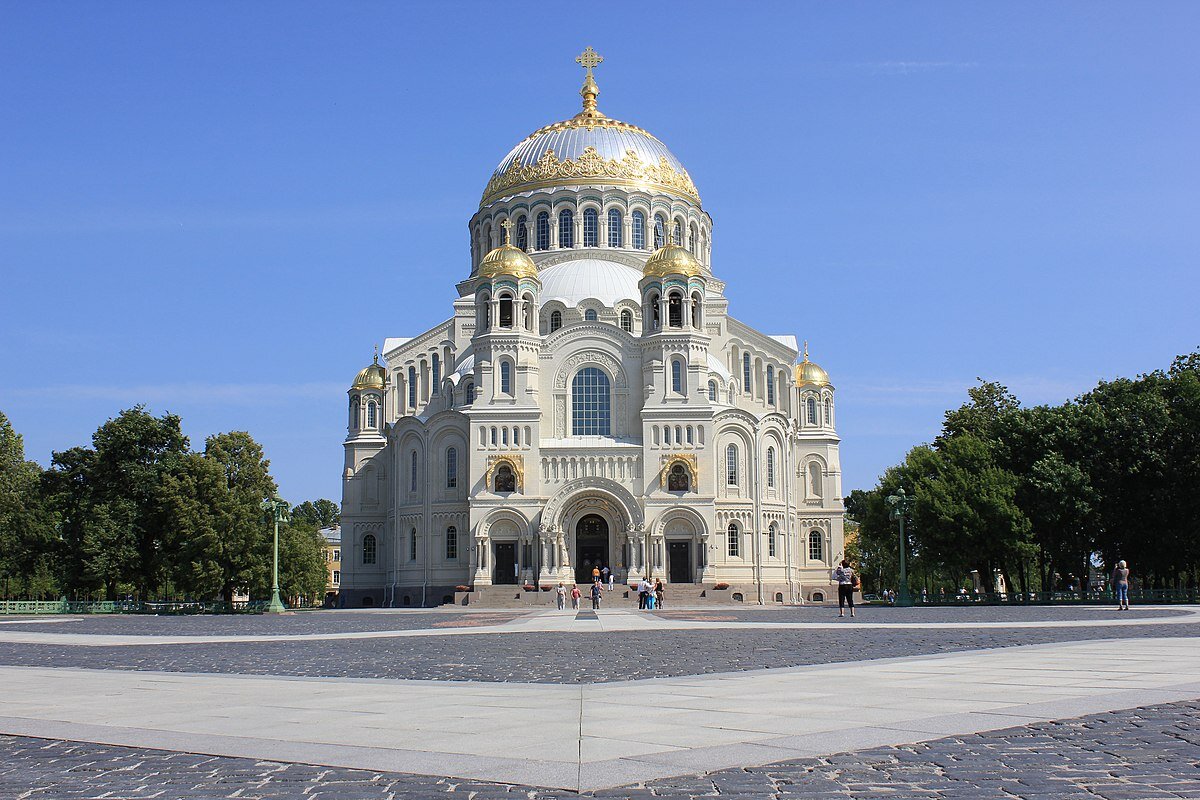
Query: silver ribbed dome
[[589, 150]]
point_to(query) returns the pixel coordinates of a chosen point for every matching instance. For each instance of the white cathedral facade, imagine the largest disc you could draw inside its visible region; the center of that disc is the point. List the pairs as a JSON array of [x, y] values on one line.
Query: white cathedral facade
[[590, 401]]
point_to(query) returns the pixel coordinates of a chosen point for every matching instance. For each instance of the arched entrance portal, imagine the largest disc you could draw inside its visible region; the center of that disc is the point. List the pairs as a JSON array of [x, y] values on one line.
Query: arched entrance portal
[[591, 547]]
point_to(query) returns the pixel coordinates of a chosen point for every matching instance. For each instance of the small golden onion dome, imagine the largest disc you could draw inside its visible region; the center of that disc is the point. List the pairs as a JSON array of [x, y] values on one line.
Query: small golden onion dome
[[507, 260], [371, 377], [671, 259], [808, 373]]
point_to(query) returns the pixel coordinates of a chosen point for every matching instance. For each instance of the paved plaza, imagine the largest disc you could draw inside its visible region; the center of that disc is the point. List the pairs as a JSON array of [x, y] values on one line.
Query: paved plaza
[[741, 702]]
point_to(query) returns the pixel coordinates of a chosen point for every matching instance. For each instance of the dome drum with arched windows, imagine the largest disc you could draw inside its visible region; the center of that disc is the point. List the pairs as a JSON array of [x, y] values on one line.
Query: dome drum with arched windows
[[591, 401]]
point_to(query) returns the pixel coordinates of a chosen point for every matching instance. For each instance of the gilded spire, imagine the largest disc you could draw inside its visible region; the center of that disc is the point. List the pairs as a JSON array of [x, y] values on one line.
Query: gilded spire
[[508, 226], [376, 359], [806, 349], [589, 59]]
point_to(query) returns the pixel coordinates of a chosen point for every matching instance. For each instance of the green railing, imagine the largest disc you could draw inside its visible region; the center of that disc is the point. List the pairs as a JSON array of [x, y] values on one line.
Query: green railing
[[1146, 597], [64, 606]]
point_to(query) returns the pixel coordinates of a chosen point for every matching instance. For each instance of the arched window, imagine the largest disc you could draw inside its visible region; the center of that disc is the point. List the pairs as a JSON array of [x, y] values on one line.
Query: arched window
[[591, 228], [412, 387], [816, 546], [746, 373], [506, 480], [555, 320], [506, 310], [731, 465], [371, 413], [812, 411], [678, 479], [369, 549], [814, 479], [675, 310], [485, 311], [522, 233], [589, 315], [677, 376], [771, 467], [591, 403], [771, 541], [677, 232], [627, 321], [828, 411], [696, 306], [566, 228], [437, 374], [639, 230], [504, 436], [517, 436], [470, 393], [712, 391], [654, 312], [505, 377], [452, 468], [451, 543], [412, 472], [354, 404], [692, 241], [615, 231], [412, 545], [660, 231], [733, 539], [543, 230], [770, 385]]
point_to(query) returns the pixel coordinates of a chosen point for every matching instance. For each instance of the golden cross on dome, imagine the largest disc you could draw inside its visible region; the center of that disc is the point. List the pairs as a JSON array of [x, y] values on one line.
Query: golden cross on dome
[[806, 349], [376, 353], [508, 226], [589, 59]]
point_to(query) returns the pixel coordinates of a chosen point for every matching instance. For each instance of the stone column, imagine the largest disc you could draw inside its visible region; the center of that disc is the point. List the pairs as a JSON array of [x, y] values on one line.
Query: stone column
[[483, 574]]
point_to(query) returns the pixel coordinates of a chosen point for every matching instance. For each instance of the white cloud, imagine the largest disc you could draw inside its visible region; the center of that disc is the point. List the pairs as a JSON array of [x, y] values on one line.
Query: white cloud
[[182, 393]]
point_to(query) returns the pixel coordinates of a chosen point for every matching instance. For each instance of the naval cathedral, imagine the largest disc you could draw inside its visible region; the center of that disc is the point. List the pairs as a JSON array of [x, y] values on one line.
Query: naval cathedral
[[590, 401]]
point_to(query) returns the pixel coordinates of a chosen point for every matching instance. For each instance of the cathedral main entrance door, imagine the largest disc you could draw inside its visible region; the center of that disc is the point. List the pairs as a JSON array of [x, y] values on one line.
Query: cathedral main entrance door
[[506, 563], [591, 547], [679, 562]]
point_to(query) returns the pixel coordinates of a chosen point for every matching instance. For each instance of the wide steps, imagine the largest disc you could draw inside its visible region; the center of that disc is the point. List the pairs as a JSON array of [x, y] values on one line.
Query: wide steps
[[676, 594]]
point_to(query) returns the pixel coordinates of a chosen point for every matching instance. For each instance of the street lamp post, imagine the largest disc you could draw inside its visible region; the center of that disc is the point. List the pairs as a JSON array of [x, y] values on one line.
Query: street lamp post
[[900, 503], [277, 509]]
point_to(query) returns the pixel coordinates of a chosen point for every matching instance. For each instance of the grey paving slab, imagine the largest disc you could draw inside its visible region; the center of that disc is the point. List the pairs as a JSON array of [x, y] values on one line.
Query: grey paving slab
[[1149, 752]]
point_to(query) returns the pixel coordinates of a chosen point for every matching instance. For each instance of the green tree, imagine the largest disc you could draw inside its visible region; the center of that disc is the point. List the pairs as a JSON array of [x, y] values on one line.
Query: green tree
[[29, 546], [107, 497], [319, 514], [302, 567]]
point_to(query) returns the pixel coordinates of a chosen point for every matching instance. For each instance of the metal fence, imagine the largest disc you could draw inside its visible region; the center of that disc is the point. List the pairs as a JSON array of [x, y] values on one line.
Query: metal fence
[[1103, 597], [64, 606]]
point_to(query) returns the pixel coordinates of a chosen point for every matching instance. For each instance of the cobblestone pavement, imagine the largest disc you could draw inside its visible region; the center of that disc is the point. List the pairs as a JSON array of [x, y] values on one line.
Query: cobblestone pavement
[[555, 658], [1139, 754], [298, 623], [892, 614]]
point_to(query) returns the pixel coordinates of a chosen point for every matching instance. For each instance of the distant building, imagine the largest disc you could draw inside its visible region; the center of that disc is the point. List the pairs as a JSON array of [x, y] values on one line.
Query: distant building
[[333, 562]]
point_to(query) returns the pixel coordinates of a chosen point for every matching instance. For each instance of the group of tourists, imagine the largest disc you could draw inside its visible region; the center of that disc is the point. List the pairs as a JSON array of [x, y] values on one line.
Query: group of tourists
[[650, 596]]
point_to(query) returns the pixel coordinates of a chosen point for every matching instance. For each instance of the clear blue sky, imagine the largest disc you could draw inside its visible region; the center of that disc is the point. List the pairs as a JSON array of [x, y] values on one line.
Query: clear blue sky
[[217, 208]]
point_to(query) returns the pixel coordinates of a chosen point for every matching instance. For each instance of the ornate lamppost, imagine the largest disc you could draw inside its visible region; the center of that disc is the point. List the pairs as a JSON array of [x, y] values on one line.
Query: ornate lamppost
[[277, 509], [900, 504]]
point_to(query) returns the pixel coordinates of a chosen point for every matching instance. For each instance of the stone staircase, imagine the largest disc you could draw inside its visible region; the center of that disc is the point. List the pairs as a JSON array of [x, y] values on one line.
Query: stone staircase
[[677, 595]]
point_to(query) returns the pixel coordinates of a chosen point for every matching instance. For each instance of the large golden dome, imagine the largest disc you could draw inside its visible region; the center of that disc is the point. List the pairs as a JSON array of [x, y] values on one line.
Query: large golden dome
[[809, 374], [371, 377], [671, 259], [507, 260], [589, 148]]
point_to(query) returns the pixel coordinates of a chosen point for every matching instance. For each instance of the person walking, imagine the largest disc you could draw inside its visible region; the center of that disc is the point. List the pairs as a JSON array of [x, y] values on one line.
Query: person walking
[[562, 597], [659, 594], [597, 591], [846, 581], [1120, 582], [604, 573], [575, 595], [595, 573]]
